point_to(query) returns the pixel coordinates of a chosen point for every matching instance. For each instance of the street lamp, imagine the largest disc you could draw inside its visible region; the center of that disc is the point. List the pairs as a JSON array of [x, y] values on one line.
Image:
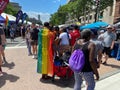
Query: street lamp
[[97, 2]]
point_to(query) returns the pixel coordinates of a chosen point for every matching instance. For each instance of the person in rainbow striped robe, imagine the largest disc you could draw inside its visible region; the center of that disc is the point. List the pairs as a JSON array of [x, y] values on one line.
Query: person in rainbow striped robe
[[45, 52]]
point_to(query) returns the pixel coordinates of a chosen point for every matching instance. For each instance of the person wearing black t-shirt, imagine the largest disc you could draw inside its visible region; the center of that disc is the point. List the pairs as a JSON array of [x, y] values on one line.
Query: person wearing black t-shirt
[[34, 40]]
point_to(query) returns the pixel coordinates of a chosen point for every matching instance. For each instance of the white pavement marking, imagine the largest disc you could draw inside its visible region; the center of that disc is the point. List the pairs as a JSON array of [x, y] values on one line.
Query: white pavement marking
[[16, 47], [19, 43], [110, 83]]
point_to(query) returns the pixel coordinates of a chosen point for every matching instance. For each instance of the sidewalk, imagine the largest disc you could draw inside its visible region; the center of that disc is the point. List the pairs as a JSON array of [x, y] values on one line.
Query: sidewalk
[[110, 83], [20, 74]]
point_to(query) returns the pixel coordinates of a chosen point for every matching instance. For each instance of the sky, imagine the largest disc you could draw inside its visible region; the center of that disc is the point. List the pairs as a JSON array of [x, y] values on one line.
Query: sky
[[42, 7]]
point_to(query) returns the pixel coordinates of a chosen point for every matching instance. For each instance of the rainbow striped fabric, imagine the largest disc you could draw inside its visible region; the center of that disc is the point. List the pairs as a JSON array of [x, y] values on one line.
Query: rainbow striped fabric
[[45, 52], [6, 21]]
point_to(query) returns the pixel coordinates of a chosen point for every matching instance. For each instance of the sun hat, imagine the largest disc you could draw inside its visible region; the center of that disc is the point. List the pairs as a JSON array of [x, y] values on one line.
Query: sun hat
[[109, 26]]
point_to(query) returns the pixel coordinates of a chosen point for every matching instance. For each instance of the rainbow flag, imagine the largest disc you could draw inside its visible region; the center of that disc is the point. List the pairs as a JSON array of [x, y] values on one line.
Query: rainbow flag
[[45, 52], [6, 21]]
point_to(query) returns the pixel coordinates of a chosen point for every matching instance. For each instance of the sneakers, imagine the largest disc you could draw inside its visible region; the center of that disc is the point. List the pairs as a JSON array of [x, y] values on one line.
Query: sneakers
[[34, 56]]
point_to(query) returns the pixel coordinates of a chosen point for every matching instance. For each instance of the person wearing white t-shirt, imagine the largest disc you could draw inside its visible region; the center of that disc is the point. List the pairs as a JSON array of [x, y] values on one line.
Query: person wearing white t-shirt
[[64, 41]]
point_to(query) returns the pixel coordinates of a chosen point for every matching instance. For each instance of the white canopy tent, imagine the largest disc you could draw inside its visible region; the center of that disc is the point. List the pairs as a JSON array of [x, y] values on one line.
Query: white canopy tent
[[10, 17], [28, 22]]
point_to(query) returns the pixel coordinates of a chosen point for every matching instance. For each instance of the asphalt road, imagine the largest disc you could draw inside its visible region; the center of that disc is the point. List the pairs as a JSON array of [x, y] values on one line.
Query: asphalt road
[[18, 41]]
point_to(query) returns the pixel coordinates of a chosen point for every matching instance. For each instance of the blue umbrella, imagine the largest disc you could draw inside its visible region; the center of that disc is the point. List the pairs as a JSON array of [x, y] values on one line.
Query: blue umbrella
[[95, 25], [101, 24], [2, 20]]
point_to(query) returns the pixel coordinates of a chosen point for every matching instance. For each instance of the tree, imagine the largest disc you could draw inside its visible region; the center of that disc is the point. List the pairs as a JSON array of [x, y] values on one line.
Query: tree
[[76, 9], [11, 10]]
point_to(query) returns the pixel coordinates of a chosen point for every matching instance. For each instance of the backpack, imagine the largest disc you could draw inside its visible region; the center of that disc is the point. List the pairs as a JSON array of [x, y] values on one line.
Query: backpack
[[77, 60]]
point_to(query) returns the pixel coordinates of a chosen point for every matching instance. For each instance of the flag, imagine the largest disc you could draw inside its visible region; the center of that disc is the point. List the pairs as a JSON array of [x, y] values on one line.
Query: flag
[[6, 21], [19, 16], [3, 4], [24, 16]]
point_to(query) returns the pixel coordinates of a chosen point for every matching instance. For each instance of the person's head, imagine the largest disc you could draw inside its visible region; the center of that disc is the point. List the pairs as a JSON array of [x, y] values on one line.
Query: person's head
[[33, 25], [28, 29], [51, 28], [56, 28], [46, 24], [86, 34], [63, 29], [109, 28], [70, 29], [94, 33], [76, 27]]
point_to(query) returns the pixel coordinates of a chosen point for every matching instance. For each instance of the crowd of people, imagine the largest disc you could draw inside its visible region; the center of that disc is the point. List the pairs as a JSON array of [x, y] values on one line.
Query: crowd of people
[[49, 41], [66, 38]]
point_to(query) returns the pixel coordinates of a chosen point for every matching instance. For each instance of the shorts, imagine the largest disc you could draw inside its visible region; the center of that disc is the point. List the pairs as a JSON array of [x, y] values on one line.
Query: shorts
[[34, 42], [3, 47], [107, 51]]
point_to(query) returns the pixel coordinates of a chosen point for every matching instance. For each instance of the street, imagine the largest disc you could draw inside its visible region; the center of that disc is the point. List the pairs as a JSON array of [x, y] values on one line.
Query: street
[[18, 41], [20, 73]]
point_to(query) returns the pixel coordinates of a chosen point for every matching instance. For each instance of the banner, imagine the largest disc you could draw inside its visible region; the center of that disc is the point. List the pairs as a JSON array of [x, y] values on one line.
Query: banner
[[3, 4], [19, 16], [24, 16]]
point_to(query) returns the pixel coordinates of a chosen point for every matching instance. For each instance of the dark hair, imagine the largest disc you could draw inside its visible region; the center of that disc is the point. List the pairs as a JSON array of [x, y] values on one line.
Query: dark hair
[[64, 29], [51, 28], [56, 28], [46, 24], [76, 27], [94, 31], [86, 34], [70, 28]]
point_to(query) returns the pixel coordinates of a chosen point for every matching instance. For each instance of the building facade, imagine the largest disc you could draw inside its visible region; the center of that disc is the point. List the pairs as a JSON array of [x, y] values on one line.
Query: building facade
[[117, 12], [110, 15]]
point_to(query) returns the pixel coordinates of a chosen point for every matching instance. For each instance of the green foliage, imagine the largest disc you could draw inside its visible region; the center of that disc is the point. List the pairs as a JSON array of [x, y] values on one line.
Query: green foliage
[[104, 4], [11, 10], [76, 9]]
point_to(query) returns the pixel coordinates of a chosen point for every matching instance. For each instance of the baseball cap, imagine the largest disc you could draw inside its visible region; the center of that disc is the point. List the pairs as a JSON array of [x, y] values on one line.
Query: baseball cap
[[101, 31]]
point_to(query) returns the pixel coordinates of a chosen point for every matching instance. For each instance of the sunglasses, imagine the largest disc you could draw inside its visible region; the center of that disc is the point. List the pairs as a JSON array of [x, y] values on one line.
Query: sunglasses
[[109, 28]]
